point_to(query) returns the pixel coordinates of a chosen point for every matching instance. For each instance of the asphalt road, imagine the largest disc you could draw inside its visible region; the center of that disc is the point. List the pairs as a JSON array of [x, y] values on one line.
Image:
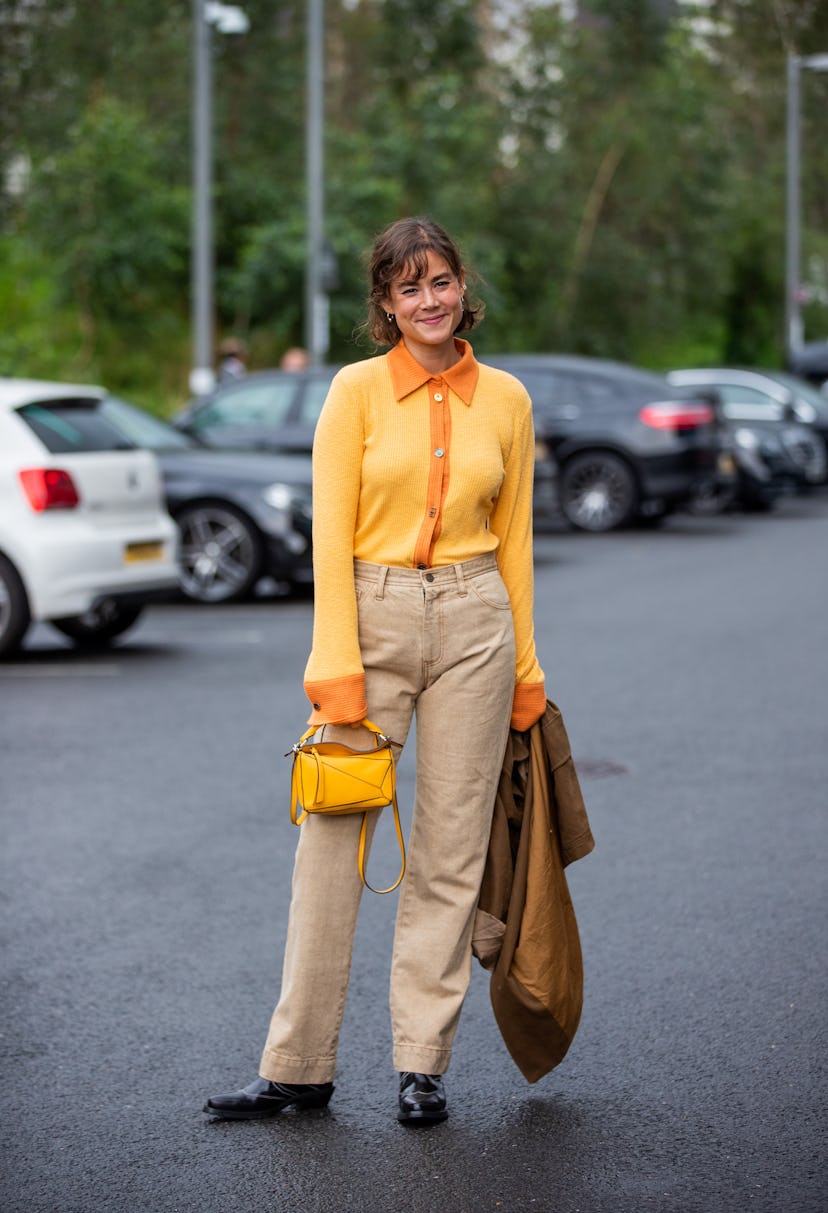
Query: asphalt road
[[146, 861]]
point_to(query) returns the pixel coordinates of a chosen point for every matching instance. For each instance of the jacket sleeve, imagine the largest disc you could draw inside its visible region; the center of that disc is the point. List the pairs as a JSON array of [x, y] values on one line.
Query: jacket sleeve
[[511, 521], [334, 675]]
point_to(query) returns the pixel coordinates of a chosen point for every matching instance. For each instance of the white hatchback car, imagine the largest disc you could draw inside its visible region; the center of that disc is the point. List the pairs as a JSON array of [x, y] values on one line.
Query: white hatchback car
[[85, 540]]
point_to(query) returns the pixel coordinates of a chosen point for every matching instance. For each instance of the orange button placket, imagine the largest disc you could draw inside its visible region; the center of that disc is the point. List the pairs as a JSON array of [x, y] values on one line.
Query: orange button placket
[[438, 472]]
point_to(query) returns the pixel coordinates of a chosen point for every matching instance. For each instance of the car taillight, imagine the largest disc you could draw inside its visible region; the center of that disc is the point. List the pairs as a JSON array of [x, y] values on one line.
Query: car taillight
[[675, 415], [49, 489]]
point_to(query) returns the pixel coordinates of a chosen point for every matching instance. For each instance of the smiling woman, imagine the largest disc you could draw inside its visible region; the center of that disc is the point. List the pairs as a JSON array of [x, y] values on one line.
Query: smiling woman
[[422, 523]]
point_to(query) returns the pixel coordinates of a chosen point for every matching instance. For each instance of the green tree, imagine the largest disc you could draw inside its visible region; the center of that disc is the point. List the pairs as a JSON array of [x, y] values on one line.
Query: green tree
[[617, 179], [117, 231]]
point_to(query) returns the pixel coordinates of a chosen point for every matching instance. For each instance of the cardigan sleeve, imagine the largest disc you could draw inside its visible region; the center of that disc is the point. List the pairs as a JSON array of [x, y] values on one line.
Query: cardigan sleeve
[[334, 676], [511, 521]]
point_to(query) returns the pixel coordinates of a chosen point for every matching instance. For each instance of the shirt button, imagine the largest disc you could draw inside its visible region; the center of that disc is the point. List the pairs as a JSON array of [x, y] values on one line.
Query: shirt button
[[438, 396], [421, 566], [439, 452], [432, 512], [316, 706]]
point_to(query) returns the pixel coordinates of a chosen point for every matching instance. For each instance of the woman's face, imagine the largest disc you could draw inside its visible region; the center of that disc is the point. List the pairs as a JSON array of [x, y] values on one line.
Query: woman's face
[[428, 309]]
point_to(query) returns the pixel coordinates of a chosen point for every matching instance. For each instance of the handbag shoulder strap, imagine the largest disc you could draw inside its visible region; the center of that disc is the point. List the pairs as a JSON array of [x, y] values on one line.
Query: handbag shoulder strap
[[295, 816], [400, 842]]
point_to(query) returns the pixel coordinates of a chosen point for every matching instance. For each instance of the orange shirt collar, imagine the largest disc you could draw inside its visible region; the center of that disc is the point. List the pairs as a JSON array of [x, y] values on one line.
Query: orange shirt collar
[[407, 374]]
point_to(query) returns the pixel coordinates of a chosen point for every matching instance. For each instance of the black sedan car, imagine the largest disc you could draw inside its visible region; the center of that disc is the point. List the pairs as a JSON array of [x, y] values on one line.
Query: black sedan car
[[243, 516], [266, 410], [628, 445]]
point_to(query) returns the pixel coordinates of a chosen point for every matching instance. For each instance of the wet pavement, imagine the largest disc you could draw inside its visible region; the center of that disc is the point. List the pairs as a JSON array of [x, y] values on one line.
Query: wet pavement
[[146, 865]]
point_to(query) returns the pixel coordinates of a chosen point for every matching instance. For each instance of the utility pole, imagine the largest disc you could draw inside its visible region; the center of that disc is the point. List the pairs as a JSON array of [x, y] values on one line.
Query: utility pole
[[228, 19], [202, 374], [794, 331], [317, 323]]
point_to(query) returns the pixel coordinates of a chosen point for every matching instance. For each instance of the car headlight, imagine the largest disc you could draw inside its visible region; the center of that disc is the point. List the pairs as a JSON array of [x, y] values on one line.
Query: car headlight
[[279, 496], [746, 439], [287, 503], [804, 411]]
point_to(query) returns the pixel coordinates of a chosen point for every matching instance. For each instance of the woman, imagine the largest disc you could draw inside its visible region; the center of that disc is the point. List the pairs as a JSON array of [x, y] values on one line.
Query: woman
[[422, 473]]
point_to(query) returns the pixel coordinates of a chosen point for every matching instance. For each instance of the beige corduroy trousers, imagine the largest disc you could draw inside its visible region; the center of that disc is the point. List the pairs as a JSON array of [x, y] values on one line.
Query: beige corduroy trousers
[[438, 643]]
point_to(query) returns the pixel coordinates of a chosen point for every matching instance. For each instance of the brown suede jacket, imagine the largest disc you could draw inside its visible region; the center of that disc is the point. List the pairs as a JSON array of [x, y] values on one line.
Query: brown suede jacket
[[525, 928]]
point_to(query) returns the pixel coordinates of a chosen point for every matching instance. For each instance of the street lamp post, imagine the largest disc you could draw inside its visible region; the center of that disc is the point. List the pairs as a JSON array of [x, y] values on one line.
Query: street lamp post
[[317, 324], [794, 333], [227, 19]]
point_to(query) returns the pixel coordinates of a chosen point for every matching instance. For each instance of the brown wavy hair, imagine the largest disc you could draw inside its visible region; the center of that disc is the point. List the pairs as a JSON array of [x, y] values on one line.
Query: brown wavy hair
[[404, 245]]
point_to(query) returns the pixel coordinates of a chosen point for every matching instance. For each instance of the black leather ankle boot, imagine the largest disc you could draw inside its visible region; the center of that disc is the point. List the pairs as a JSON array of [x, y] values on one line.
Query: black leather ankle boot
[[422, 1098], [265, 1098]]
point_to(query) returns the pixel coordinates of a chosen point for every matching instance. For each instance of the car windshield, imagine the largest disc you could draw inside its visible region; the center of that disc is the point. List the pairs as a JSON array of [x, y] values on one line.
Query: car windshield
[[142, 428]]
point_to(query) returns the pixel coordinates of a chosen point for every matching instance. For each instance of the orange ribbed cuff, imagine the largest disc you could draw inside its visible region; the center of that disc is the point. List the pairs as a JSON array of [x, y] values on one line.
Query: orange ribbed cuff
[[528, 705], [337, 700]]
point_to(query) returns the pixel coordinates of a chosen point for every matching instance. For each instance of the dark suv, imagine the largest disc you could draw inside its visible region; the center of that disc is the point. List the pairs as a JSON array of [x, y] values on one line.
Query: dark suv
[[628, 445]]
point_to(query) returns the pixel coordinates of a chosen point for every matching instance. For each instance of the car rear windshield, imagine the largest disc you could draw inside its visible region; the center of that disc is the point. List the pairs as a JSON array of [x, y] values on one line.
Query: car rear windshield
[[72, 426]]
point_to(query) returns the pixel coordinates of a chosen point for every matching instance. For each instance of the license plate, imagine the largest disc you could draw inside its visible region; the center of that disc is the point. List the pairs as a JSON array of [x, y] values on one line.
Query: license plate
[[134, 552]]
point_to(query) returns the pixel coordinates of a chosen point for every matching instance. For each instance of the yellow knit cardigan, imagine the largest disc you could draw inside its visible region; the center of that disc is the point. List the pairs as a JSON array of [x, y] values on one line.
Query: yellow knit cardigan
[[416, 471]]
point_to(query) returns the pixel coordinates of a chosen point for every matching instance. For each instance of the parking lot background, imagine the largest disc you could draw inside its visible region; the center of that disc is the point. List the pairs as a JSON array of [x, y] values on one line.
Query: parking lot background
[[146, 868]]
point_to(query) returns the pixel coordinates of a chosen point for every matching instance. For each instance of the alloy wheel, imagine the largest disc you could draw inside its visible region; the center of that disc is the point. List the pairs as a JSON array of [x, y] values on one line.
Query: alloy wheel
[[221, 554], [598, 491]]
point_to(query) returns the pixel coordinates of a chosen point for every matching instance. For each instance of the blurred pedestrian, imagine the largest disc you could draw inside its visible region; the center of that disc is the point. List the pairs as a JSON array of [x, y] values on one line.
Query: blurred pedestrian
[[294, 359], [423, 605], [232, 360]]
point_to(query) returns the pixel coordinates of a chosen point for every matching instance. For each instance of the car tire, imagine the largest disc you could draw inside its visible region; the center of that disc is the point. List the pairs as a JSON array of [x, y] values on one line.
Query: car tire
[[598, 491], [96, 629], [221, 553], [14, 609]]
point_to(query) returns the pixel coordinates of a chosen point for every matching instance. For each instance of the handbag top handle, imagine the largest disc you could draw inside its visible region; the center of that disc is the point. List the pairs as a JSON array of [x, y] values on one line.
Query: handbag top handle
[[380, 738]]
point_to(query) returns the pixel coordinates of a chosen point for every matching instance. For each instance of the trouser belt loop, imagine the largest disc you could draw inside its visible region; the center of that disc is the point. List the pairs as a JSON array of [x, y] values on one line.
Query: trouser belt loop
[[379, 592], [462, 589]]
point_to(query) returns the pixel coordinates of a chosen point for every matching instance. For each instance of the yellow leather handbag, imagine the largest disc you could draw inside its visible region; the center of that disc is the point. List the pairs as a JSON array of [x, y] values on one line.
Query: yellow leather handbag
[[330, 777]]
